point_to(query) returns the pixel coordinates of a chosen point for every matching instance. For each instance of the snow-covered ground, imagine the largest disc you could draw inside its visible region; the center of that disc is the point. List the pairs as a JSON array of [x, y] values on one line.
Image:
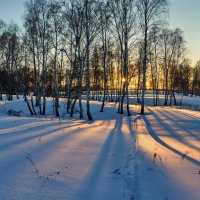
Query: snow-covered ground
[[185, 100], [168, 154], [114, 157]]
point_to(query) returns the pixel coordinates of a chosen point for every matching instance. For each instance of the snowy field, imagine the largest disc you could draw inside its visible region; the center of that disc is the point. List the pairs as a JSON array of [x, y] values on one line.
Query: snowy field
[[114, 157]]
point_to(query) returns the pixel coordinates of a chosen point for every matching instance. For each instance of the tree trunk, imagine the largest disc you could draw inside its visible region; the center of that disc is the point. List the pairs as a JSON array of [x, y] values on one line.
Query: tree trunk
[[144, 65], [87, 61]]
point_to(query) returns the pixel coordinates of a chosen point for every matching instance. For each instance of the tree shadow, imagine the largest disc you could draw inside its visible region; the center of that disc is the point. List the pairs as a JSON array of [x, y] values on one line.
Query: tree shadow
[[107, 161], [183, 127], [161, 142]]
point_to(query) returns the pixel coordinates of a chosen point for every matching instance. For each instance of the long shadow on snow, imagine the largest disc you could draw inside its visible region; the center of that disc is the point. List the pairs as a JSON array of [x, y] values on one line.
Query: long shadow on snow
[[40, 126], [26, 137], [187, 114], [155, 137], [152, 177], [39, 147], [23, 121], [173, 133], [92, 180], [190, 123]]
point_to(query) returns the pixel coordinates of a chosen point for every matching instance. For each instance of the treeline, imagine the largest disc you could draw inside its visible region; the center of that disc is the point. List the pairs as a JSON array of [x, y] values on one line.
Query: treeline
[[77, 48]]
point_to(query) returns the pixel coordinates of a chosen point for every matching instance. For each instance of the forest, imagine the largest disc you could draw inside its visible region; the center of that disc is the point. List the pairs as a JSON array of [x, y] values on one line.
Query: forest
[[95, 49], [99, 100]]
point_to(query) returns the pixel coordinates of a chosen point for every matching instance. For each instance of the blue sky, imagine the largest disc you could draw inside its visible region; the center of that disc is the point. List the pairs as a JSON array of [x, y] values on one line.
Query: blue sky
[[184, 14], [11, 10]]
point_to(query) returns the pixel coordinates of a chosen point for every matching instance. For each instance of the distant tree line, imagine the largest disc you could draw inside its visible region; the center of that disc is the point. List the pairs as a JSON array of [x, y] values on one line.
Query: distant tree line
[[96, 49]]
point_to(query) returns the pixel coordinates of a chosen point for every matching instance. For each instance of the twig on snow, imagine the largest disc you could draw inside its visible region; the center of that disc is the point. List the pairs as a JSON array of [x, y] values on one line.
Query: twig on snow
[[185, 154], [29, 157], [117, 171]]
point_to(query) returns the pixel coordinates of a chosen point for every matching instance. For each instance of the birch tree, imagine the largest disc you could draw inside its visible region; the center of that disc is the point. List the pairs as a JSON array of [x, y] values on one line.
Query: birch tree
[[91, 20], [124, 18], [150, 13], [54, 14], [37, 27], [105, 21], [74, 14]]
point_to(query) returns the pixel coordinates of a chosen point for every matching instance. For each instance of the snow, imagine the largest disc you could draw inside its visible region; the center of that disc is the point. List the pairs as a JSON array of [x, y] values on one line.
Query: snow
[[185, 100], [151, 157], [168, 156]]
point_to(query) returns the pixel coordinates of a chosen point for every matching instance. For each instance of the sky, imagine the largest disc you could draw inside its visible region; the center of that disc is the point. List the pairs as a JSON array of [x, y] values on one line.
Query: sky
[[184, 14], [12, 10]]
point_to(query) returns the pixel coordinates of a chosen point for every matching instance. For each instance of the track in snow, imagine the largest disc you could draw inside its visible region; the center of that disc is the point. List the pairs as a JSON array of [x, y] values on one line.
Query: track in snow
[[168, 159], [68, 159]]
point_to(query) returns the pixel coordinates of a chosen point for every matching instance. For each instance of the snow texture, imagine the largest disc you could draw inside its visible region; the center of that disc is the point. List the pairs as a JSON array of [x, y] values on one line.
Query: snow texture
[[114, 157]]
